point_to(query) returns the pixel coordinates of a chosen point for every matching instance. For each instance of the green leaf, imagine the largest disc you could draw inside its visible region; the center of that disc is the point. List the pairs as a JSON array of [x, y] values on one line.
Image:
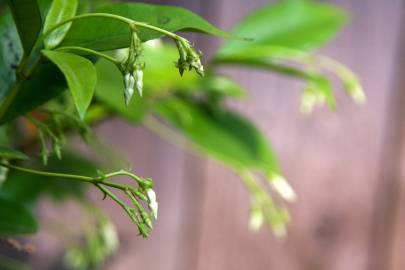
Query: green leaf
[[15, 219], [48, 80], [110, 89], [80, 75], [60, 11], [108, 34], [47, 77], [160, 74], [9, 153], [319, 87], [221, 134], [27, 17], [11, 53], [302, 25], [220, 85]]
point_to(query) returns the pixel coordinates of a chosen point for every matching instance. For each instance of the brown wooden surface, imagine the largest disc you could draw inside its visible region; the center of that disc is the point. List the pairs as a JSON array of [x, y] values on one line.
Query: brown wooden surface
[[334, 160]]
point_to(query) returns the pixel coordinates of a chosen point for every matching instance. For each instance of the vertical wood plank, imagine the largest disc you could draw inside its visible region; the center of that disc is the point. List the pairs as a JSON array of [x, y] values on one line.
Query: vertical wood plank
[[331, 158], [390, 197]]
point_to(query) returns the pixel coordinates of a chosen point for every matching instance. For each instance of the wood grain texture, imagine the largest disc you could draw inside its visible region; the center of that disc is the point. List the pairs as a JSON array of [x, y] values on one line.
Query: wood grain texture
[[331, 158]]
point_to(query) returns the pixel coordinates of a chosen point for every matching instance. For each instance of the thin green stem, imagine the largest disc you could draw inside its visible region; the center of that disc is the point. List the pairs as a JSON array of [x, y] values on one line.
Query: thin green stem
[[125, 173], [82, 178], [112, 196], [53, 174], [122, 19], [89, 51]]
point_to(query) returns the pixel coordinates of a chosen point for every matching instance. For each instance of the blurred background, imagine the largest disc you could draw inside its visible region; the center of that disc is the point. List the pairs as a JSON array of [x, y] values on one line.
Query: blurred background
[[346, 167]]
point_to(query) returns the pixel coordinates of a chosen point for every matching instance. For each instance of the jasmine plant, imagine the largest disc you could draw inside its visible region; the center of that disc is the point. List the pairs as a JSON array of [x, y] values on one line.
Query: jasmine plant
[[66, 65]]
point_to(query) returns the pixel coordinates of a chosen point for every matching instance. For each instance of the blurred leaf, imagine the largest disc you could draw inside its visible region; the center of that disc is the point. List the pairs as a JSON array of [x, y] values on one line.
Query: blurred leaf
[[220, 85], [60, 11], [80, 75], [27, 17], [220, 133], [15, 219], [262, 53], [44, 6], [302, 25], [110, 91], [318, 83], [9, 153], [107, 34], [160, 74]]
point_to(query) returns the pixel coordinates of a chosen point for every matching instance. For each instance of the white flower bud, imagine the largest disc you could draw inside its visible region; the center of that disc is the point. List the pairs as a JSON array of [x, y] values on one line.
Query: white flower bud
[[256, 219], [139, 81], [281, 186], [129, 83], [153, 205]]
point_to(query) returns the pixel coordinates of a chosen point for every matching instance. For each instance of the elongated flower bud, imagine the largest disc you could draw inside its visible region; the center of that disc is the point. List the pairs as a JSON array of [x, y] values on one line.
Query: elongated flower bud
[[139, 80], [129, 83], [153, 205]]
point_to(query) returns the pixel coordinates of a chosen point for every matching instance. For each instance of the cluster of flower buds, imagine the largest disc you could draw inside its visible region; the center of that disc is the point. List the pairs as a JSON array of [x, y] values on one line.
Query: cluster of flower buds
[[147, 186], [141, 217], [189, 58], [132, 69]]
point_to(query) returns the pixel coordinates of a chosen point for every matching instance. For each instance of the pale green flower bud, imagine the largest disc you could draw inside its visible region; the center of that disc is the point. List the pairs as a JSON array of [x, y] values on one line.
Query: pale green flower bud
[[109, 235], [355, 90], [281, 186], [138, 74], [256, 219], [129, 83], [3, 171]]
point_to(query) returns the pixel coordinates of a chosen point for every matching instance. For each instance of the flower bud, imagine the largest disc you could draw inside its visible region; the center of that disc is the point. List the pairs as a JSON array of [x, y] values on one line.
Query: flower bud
[[138, 74], [129, 83], [281, 186], [153, 205], [256, 219]]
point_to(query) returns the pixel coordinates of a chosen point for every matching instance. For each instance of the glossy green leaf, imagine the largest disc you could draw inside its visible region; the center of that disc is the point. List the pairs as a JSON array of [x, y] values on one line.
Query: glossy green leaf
[[107, 34], [80, 75], [221, 134], [46, 83], [15, 219], [9, 153], [110, 91], [11, 53], [47, 78], [27, 17], [60, 11], [302, 24]]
